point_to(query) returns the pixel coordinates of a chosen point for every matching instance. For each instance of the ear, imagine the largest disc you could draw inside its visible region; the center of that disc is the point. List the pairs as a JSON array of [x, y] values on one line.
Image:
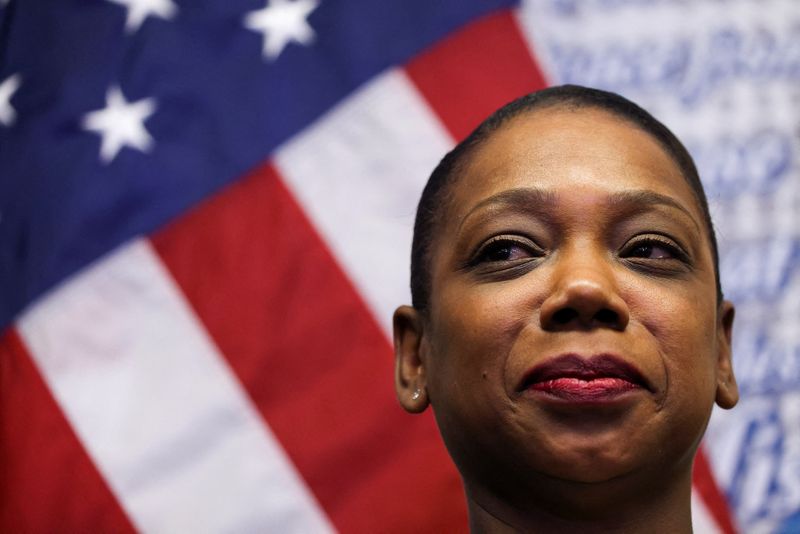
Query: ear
[[727, 390], [409, 370]]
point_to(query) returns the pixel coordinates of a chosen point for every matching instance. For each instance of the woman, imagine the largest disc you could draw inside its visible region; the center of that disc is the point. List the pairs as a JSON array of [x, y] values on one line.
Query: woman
[[567, 328]]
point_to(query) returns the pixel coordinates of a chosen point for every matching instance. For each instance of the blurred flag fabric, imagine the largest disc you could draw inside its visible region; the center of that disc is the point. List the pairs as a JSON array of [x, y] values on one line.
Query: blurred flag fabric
[[205, 225]]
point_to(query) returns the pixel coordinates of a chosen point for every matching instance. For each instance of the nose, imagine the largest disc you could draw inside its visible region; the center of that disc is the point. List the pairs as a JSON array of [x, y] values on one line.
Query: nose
[[584, 297]]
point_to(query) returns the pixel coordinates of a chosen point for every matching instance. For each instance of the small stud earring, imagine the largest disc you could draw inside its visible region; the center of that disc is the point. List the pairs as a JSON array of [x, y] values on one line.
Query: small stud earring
[[416, 395]]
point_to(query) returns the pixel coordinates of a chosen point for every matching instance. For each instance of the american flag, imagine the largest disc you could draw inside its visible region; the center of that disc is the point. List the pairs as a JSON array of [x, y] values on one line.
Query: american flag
[[205, 224]]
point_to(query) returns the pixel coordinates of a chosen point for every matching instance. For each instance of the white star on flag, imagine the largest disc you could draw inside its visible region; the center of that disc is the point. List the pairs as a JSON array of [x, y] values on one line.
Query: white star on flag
[[121, 123], [282, 22], [7, 90], [138, 10]]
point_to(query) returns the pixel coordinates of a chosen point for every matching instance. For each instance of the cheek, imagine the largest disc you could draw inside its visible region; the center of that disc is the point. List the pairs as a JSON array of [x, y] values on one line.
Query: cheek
[[683, 326], [475, 330], [479, 324]]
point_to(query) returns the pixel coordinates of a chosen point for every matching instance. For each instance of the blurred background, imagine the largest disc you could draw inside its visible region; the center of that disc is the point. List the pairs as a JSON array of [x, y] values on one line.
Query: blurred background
[[205, 225]]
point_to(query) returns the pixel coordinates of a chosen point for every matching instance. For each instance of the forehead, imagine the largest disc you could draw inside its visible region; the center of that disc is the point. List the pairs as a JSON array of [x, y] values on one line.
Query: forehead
[[565, 151]]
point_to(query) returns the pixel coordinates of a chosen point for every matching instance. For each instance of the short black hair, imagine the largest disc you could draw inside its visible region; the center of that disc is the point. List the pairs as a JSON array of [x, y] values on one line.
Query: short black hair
[[573, 97]]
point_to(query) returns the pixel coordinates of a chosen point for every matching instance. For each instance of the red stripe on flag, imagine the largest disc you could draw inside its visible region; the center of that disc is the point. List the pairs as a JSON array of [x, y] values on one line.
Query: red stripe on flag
[[475, 71], [312, 358], [47, 481], [706, 487]]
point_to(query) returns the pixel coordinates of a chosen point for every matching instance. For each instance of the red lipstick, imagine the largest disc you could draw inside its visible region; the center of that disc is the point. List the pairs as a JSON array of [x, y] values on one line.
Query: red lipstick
[[573, 379]]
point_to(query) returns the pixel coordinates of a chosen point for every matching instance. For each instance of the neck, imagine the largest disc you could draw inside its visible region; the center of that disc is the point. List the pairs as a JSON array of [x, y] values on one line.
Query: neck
[[563, 506]]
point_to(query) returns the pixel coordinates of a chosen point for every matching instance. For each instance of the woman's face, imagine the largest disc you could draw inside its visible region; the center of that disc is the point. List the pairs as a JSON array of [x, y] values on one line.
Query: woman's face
[[573, 329]]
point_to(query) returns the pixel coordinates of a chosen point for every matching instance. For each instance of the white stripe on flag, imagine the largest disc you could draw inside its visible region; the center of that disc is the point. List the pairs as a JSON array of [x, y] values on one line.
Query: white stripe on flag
[[358, 172], [702, 520], [158, 409]]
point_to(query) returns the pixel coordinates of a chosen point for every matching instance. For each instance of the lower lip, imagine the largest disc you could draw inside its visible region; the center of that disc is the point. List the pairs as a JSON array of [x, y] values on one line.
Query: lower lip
[[586, 391]]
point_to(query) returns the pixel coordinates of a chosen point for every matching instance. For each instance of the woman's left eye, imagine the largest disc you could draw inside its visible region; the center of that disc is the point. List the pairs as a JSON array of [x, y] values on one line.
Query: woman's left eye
[[653, 251], [654, 248]]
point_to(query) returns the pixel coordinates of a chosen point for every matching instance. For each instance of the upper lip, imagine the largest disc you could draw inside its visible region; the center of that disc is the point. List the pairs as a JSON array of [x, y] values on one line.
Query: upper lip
[[575, 366]]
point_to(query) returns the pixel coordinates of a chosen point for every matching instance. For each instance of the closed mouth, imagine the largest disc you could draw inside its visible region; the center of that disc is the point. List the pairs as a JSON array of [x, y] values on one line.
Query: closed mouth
[[574, 374]]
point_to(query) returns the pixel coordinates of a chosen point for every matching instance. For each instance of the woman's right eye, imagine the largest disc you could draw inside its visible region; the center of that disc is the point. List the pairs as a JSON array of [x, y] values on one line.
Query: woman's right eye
[[506, 249]]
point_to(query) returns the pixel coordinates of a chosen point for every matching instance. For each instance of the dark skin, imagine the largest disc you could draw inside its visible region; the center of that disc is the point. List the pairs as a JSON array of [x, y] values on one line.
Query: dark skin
[[570, 232]]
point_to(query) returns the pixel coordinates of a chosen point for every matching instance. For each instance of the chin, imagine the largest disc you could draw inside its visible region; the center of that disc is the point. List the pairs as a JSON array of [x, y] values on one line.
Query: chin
[[590, 470], [618, 453]]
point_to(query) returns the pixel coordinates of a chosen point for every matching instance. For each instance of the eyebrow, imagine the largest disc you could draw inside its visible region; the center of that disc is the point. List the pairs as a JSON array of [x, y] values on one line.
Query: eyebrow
[[537, 201], [644, 198]]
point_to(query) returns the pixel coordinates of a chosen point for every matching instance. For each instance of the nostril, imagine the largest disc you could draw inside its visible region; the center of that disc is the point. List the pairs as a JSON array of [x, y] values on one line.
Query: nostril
[[606, 316], [565, 316], [603, 316]]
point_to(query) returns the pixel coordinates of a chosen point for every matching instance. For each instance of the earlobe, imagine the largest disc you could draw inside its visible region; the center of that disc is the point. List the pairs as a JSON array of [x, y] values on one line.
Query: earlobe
[[409, 375], [727, 389]]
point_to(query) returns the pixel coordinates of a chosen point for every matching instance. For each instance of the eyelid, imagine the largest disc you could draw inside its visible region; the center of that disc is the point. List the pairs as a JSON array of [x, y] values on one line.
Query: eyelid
[[509, 238]]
